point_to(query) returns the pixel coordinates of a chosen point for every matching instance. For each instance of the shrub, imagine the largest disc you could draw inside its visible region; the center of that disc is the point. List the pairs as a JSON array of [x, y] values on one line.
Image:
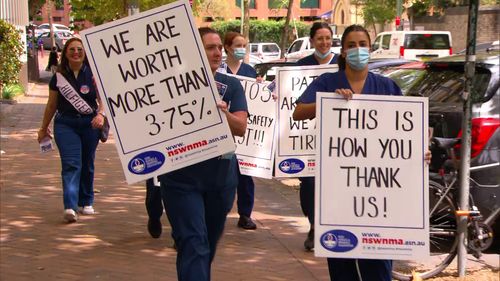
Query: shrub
[[10, 91], [10, 50]]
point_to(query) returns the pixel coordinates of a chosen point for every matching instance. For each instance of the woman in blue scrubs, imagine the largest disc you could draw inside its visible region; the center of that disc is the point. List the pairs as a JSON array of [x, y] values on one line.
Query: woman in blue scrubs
[[321, 39], [235, 47], [352, 78]]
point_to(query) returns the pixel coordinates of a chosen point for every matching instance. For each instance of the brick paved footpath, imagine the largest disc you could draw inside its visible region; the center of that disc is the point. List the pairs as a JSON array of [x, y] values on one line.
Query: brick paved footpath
[[114, 244]]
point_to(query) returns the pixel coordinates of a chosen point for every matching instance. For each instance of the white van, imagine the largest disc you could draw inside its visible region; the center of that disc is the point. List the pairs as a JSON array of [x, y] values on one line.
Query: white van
[[302, 47], [412, 45], [265, 51]]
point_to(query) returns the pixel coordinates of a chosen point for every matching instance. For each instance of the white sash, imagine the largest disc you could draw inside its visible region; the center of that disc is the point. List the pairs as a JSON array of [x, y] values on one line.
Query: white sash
[[72, 96]]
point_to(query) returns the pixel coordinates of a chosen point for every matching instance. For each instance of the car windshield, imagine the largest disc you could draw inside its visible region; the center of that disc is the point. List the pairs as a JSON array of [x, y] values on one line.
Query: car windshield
[[440, 85], [427, 41], [270, 48]]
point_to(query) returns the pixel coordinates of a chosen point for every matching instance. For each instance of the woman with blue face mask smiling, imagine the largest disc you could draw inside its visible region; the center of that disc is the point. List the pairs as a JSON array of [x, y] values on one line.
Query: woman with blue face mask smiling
[[235, 47], [321, 40], [352, 78]]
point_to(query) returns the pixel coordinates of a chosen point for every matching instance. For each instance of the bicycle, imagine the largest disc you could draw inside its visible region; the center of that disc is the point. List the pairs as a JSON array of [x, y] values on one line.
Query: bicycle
[[444, 215]]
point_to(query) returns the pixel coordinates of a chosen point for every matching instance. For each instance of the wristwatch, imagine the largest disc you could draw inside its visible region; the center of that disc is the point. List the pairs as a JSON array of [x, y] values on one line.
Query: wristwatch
[[103, 113]]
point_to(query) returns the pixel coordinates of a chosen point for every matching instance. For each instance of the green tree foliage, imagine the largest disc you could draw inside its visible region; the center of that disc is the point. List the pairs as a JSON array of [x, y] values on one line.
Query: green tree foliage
[[379, 11], [34, 7], [99, 12], [10, 50], [260, 30]]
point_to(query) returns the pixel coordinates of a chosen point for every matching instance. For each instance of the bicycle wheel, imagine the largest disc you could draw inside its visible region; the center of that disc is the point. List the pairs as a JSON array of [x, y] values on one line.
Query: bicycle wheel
[[442, 236]]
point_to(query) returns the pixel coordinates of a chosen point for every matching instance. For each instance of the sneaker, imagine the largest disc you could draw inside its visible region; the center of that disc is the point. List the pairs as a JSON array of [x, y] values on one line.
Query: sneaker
[[87, 210], [154, 228], [309, 242], [246, 223], [70, 216]]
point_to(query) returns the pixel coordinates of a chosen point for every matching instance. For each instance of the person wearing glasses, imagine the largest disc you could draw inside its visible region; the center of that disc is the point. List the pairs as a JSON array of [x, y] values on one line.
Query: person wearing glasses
[[79, 114]]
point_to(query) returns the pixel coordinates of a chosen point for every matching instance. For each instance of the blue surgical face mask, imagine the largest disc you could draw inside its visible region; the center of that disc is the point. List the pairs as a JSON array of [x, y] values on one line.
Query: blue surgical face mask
[[357, 58], [239, 53], [320, 55]]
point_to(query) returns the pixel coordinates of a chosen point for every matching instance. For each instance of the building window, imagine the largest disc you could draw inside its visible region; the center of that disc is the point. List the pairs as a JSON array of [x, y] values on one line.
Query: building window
[[276, 18], [309, 18], [275, 4], [251, 4], [311, 4], [57, 19], [208, 19]]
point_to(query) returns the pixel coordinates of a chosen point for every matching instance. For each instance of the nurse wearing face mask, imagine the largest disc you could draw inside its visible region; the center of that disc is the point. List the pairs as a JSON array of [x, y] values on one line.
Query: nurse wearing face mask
[[321, 40], [235, 47], [353, 78]]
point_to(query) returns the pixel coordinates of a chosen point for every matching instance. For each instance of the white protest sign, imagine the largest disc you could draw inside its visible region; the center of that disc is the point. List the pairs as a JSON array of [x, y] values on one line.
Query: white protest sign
[[160, 95], [372, 181], [255, 151], [296, 148]]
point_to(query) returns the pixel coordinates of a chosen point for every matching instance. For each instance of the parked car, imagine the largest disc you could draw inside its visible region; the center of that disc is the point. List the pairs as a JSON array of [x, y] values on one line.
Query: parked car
[[489, 46], [45, 27], [265, 51], [412, 45], [60, 39], [442, 81], [302, 47]]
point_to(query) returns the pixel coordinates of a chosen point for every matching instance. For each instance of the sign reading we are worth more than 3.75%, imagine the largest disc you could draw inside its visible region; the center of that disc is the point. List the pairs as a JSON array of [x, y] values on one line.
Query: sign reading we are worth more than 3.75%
[[161, 96]]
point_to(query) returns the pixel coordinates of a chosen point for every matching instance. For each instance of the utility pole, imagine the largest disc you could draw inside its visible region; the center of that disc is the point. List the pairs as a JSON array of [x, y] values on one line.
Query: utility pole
[[242, 16], [470, 68], [245, 20]]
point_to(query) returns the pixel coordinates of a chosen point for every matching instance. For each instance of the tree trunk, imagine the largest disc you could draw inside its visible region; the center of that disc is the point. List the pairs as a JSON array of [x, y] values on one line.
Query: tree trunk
[[246, 27], [49, 14], [286, 29]]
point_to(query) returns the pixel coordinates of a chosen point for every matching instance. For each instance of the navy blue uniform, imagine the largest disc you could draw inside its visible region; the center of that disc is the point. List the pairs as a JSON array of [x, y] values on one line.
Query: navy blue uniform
[[345, 269], [76, 140], [246, 186], [198, 198], [244, 70], [311, 60], [306, 191]]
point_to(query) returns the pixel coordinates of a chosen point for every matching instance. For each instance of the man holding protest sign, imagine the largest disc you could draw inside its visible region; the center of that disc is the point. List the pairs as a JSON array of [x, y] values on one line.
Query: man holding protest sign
[[352, 78], [198, 198]]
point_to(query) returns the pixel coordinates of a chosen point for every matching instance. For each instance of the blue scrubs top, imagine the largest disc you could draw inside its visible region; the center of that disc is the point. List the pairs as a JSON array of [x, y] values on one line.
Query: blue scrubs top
[[342, 269], [244, 70], [311, 60], [329, 82], [217, 172]]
